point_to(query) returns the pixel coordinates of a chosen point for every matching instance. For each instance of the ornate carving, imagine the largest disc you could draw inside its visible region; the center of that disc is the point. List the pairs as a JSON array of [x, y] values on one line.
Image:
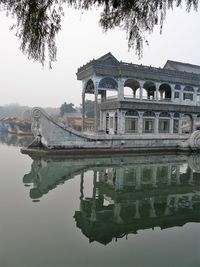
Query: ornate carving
[[194, 140], [36, 113], [35, 127], [194, 162]]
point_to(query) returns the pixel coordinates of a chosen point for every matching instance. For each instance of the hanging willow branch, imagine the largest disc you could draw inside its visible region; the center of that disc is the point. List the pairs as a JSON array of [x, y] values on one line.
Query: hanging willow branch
[[39, 21]]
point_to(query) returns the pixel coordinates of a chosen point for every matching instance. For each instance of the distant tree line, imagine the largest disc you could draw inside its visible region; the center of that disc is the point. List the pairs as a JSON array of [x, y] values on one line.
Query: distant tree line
[[24, 112]]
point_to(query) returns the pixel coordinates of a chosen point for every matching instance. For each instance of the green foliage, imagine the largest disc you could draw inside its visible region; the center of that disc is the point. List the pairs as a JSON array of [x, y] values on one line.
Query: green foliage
[[67, 108], [38, 21]]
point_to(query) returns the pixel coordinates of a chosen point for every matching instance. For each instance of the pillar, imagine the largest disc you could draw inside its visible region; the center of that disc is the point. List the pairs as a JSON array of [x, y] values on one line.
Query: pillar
[[194, 121], [156, 123], [96, 109], [83, 110], [140, 122], [180, 124], [120, 89], [171, 126], [141, 96]]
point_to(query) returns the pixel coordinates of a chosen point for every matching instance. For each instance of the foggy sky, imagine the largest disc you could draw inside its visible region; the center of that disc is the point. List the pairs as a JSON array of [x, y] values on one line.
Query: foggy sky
[[80, 40]]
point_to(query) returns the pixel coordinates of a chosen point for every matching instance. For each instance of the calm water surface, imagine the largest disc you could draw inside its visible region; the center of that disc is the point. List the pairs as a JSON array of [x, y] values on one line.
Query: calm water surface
[[121, 211]]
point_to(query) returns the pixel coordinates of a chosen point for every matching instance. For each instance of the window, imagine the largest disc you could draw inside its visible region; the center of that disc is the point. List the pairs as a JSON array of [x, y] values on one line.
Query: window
[[188, 96], [148, 126], [164, 125], [176, 95], [131, 125]]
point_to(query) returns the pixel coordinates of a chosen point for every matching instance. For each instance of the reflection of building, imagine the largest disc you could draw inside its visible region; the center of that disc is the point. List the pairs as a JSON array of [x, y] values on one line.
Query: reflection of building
[[16, 140], [128, 193], [131, 198], [140, 99]]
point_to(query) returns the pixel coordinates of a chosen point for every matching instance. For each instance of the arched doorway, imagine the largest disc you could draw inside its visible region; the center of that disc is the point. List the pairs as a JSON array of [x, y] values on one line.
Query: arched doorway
[[165, 91], [150, 89], [130, 88]]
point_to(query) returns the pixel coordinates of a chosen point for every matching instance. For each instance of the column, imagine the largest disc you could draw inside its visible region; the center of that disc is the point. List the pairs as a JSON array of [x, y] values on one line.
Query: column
[[180, 124], [141, 96], [120, 89], [156, 122], [96, 109], [140, 122], [171, 127], [172, 93], [157, 91], [83, 110]]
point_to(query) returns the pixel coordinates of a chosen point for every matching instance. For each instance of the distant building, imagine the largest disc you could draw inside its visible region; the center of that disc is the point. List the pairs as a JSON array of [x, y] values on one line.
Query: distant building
[[74, 120]]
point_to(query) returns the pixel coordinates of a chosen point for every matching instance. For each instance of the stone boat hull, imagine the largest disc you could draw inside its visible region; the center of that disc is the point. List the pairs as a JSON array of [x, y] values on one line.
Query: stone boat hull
[[53, 137]]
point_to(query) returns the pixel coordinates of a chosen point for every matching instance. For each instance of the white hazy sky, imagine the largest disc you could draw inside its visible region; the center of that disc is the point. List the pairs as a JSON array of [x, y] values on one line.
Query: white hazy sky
[[80, 40]]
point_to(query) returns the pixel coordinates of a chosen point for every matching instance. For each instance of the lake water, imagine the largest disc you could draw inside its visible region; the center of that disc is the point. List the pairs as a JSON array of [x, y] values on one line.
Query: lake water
[[111, 211]]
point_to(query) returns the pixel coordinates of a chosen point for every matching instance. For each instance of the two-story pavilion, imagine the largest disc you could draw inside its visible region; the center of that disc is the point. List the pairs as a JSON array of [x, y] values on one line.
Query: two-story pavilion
[[137, 99]]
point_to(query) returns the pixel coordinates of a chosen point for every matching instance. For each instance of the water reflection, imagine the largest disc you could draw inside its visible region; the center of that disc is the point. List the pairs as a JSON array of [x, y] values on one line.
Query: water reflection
[[128, 193], [15, 140]]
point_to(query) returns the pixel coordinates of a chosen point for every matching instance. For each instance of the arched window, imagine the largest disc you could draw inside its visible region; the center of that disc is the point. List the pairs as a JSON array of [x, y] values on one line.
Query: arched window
[[188, 93], [189, 88], [164, 114], [149, 114], [176, 115], [108, 83], [132, 113], [89, 88], [177, 87]]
